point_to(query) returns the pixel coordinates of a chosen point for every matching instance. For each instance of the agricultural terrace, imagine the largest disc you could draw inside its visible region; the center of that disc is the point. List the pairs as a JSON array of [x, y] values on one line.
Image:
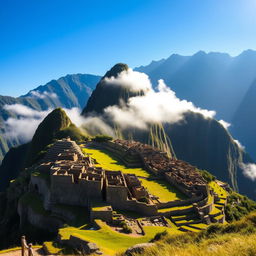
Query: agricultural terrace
[[111, 241], [159, 188]]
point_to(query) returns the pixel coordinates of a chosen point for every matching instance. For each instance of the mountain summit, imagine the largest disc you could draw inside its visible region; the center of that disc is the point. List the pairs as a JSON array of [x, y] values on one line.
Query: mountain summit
[[107, 93], [56, 121]]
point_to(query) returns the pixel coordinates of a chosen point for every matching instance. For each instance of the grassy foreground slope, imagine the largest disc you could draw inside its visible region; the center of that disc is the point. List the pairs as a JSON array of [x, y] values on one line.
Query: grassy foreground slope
[[109, 240], [234, 239]]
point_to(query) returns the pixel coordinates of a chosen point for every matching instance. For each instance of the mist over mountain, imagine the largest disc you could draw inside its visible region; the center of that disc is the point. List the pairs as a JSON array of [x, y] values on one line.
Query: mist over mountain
[[68, 92], [213, 81], [193, 134]]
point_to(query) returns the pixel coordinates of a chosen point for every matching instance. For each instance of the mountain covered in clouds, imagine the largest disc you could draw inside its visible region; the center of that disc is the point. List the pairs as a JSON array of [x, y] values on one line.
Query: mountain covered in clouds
[[214, 81], [68, 92], [193, 134]]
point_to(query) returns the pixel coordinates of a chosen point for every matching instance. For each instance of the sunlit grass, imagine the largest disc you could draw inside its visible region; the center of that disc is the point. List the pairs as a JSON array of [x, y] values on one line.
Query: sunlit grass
[[110, 241], [159, 188]]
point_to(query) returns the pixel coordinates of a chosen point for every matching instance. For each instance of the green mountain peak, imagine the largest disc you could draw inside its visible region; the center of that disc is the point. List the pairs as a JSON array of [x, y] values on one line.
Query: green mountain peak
[[47, 130]]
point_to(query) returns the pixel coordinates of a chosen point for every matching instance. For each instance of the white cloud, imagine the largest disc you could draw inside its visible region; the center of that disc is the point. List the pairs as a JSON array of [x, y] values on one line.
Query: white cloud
[[132, 80], [43, 95], [23, 126], [23, 110], [239, 144], [95, 125], [156, 106], [249, 170], [225, 124]]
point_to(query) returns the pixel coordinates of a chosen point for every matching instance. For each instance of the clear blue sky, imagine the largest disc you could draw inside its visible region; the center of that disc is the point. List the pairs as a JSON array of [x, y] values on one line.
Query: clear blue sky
[[42, 40]]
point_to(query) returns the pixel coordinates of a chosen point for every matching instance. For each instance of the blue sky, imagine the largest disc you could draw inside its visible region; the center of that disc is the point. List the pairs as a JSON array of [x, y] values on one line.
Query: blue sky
[[45, 39]]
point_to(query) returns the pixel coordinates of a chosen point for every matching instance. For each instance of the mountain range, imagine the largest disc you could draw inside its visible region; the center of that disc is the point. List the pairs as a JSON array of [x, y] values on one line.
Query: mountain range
[[68, 92], [201, 141], [214, 81]]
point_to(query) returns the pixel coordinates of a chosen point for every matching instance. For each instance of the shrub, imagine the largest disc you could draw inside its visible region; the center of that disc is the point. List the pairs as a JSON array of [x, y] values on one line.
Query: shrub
[[159, 236], [126, 229], [102, 138], [207, 176]]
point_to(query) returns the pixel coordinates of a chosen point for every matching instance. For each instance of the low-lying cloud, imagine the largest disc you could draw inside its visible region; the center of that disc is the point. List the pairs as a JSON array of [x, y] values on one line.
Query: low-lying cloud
[[25, 124], [131, 80], [43, 95], [155, 106], [249, 170]]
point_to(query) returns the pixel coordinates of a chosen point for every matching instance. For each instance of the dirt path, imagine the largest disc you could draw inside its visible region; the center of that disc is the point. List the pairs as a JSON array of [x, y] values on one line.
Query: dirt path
[[36, 252]]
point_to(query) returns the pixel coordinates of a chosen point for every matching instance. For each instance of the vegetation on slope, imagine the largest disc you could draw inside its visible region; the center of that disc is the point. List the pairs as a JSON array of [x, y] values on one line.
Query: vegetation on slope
[[71, 90], [73, 132], [235, 239], [107, 238], [46, 132], [238, 206]]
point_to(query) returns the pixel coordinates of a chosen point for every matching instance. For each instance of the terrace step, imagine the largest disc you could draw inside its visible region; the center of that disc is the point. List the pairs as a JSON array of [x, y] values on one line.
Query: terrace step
[[188, 229], [183, 217], [182, 222], [201, 226]]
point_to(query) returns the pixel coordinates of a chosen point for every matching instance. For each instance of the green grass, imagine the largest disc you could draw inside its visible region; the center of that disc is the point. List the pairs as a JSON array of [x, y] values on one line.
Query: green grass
[[110, 241], [218, 189], [235, 239], [99, 206], [109, 162], [52, 248], [159, 188], [199, 225], [175, 208]]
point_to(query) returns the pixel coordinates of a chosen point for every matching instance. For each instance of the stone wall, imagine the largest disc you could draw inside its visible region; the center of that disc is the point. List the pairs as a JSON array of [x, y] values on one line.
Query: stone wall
[[41, 186], [43, 221]]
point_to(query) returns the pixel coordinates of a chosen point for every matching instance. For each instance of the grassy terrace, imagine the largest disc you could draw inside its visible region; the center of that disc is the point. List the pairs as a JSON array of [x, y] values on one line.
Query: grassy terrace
[[218, 189], [223, 194], [175, 208], [110, 241], [99, 206], [159, 188]]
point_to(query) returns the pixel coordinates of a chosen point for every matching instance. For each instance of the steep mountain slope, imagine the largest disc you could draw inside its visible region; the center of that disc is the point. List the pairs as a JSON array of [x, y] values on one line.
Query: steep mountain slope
[[56, 121], [201, 141], [109, 94], [69, 91], [13, 168], [56, 125], [214, 81], [244, 121]]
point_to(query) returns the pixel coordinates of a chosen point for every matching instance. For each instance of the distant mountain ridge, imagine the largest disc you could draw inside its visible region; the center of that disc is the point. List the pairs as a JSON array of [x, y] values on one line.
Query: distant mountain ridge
[[69, 91], [212, 80], [201, 141], [244, 121]]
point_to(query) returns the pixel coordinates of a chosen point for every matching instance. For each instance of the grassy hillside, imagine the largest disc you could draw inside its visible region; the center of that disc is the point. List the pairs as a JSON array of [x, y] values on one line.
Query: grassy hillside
[[235, 239], [46, 132]]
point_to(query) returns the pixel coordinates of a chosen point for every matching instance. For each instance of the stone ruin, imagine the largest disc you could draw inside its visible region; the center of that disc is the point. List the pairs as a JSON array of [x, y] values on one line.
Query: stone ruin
[[74, 180], [182, 175]]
